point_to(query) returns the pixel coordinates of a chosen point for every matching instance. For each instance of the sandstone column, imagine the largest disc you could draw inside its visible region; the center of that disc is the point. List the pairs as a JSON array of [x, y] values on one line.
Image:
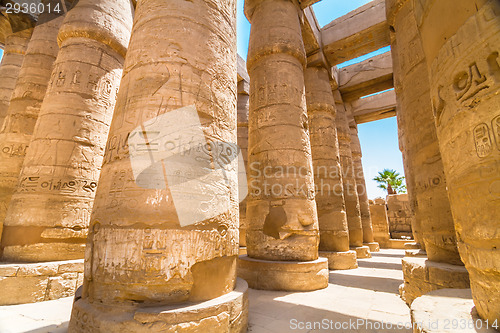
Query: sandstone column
[[349, 182], [25, 103], [378, 213], [462, 49], [420, 140], [49, 213], [428, 184], [243, 105], [359, 176], [332, 218], [12, 59], [281, 210], [165, 230]]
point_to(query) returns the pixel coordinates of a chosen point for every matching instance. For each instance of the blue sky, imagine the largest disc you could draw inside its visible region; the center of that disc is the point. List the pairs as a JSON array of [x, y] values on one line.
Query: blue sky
[[379, 139]]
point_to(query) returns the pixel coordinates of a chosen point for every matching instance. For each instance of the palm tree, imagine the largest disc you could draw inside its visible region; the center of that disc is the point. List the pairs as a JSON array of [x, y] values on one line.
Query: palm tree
[[391, 181]]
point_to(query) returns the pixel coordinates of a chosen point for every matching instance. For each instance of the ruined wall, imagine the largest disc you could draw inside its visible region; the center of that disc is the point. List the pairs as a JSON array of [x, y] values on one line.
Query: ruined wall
[[399, 215]]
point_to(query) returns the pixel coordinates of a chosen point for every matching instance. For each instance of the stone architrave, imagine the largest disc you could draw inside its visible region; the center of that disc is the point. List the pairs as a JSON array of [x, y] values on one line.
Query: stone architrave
[[26, 101], [359, 176], [163, 241], [49, 212], [462, 48], [332, 218], [419, 140], [283, 233], [350, 191]]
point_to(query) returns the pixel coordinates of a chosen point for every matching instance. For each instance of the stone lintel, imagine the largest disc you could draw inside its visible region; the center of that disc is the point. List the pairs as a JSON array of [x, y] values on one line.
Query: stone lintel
[[367, 77], [284, 275], [422, 275], [340, 260], [357, 33], [374, 107]]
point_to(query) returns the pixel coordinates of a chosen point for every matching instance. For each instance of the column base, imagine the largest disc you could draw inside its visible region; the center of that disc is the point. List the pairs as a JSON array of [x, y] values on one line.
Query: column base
[[412, 246], [396, 243], [243, 250], [362, 252], [227, 313], [415, 253], [422, 276], [340, 260], [441, 310], [374, 246], [37, 282], [284, 275]]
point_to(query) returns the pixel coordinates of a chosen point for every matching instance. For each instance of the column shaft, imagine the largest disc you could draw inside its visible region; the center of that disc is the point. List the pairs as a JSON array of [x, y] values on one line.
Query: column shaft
[[326, 161], [349, 182], [281, 209], [49, 213], [462, 49], [26, 101]]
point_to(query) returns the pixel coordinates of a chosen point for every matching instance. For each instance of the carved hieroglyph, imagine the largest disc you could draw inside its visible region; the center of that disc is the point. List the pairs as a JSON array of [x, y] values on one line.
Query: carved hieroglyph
[[380, 223], [142, 247], [49, 213], [326, 161], [12, 59], [465, 83], [418, 133], [281, 209], [243, 105], [25, 104], [359, 176], [346, 163]]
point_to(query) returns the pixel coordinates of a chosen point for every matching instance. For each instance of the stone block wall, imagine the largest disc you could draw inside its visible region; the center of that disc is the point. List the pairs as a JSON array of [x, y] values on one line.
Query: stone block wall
[[399, 214], [29, 283]]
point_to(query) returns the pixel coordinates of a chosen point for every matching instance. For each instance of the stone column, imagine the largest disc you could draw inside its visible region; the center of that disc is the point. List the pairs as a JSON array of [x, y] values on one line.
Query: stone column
[[422, 156], [462, 48], [281, 210], [25, 103], [349, 182], [49, 213], [243, 105], [164, 227], [359, 176], [12, 59], [332, 218], [420, 140], [380, 223]]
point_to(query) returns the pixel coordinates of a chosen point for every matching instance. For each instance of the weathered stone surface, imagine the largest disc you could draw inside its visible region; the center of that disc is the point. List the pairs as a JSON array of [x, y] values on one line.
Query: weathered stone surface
[[326, 161], [419, 138], [380, 222], [374, 246], [242, 140], [422, 275], [37, 282], [284, 275], [12, 59], [399, 216], [53, 200], [226, 313], [27, 97], [448, 310], [281, 209], [374, 107], [362, 252], [340, 260], [364, 206], [462, 52], [349, 182]]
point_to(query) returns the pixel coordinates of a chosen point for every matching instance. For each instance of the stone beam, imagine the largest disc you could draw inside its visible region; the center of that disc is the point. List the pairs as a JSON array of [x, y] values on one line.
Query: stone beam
[[361, 31], [311, 33], [243, 78], [370, 76], [375, 107], [307, 3]]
